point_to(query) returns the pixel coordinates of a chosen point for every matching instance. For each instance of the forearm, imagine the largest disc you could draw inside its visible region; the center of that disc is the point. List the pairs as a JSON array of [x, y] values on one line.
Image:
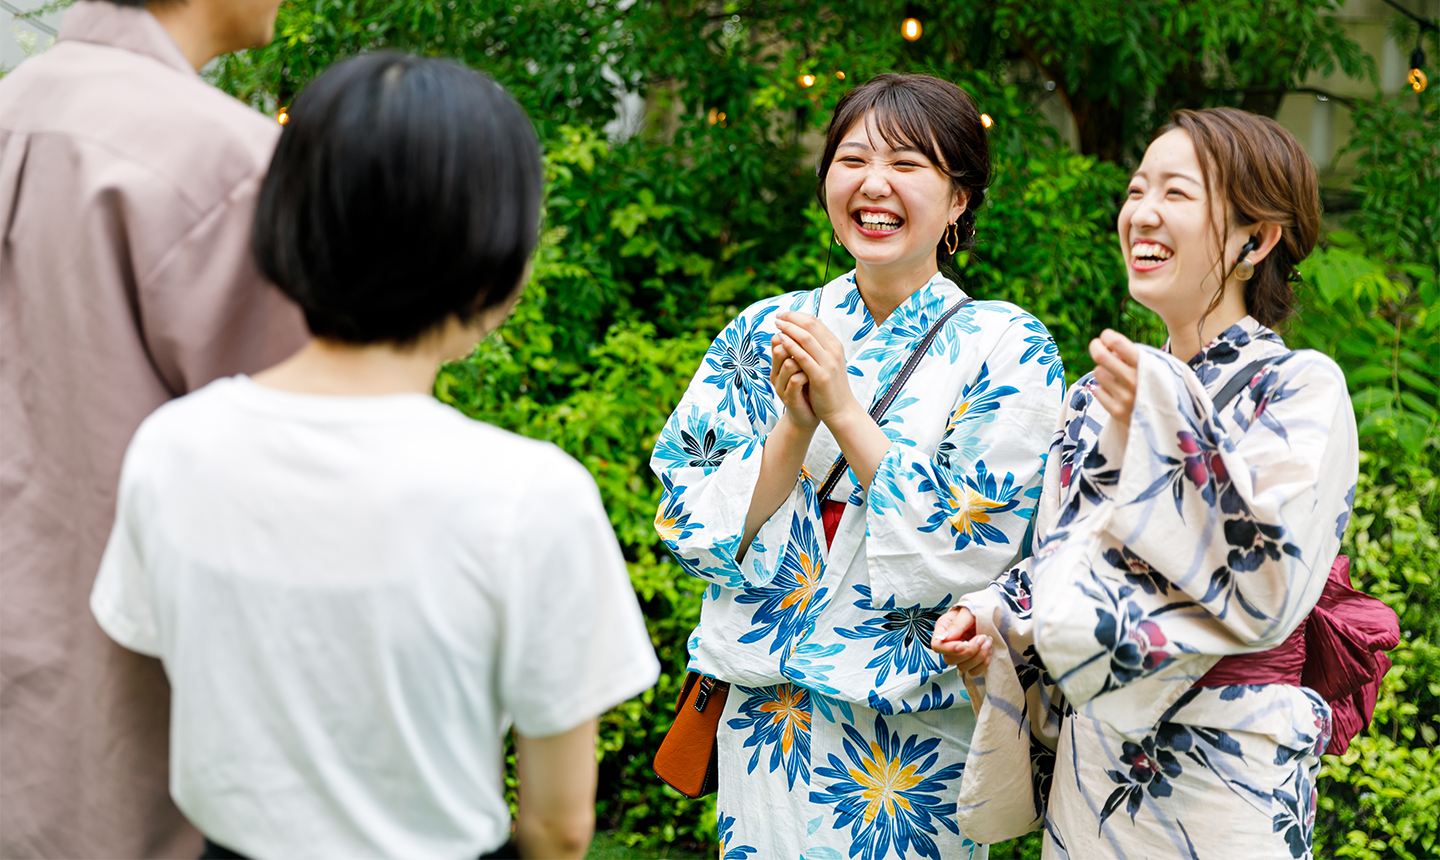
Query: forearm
[[780, 463], [862, 442], [557, 778]]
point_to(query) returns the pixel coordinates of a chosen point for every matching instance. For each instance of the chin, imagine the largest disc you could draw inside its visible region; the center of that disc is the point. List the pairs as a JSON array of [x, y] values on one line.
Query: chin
[[1148, 293]]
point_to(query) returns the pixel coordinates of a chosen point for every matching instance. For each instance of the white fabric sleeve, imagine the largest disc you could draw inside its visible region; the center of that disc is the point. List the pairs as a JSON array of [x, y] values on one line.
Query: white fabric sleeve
[[574, 642], [121, 596]]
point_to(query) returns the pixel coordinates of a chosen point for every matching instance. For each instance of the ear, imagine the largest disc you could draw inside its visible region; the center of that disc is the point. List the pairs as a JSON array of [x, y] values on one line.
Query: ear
[[1269, 235], [958, 203]]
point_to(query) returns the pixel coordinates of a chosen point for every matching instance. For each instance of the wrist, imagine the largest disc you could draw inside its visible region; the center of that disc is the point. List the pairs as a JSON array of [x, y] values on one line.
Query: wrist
[[795, 429], [850, 417]]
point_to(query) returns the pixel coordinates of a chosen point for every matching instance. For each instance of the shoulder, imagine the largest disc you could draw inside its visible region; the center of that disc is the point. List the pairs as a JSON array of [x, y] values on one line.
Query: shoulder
[[1005, 315], [1000, 323], [507, 462], [123, 107], [1306, 373]]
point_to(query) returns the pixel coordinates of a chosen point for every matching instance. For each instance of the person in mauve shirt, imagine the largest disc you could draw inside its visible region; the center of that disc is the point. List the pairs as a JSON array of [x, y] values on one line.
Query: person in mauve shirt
[[127, 186]]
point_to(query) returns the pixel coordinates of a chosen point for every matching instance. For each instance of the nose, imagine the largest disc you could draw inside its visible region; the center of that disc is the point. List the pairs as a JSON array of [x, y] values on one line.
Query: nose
[[876, 183], [1145, 213]]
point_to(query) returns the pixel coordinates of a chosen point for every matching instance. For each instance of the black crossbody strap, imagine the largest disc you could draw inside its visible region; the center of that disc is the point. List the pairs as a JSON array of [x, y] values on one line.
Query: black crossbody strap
[[878, 410], [1241, 379]]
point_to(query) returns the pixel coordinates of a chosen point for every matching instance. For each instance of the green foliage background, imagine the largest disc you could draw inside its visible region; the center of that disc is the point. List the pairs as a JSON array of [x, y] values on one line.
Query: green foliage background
[[655, 238]]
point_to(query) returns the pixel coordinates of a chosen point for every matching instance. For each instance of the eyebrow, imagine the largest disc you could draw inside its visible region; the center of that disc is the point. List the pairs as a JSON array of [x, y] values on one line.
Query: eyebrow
[[1171, 174], [902, 148]]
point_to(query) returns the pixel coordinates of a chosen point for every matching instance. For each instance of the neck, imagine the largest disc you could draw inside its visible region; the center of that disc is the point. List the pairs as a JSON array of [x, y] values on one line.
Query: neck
[[1189, 336], [885, 288], [188, 23], [349, 370]]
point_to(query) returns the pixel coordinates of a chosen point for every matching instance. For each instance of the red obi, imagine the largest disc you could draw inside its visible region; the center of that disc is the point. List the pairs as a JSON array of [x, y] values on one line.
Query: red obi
[[830, 514], [1338, 652]]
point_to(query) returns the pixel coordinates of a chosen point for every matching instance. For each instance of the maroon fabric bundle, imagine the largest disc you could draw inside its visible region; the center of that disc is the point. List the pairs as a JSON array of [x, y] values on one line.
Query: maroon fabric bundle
[[1338, 653]]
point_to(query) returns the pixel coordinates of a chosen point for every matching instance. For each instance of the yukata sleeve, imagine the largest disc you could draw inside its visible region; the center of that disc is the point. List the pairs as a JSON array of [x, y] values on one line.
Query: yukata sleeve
[[1224, 545], [708, 460], [942, 525], [1018, 707]]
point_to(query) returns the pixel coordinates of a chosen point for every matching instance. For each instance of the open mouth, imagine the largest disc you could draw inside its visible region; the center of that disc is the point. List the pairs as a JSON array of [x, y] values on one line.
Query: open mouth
[[876, 223], [1148, 256]]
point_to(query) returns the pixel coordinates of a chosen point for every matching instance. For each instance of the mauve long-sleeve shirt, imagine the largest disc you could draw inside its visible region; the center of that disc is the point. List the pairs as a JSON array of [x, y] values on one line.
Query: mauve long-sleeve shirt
[[127, 187]]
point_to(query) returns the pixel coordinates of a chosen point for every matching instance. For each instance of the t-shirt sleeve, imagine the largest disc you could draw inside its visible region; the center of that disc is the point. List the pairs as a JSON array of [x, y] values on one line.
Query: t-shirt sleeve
[[575, 643], [120, 598]]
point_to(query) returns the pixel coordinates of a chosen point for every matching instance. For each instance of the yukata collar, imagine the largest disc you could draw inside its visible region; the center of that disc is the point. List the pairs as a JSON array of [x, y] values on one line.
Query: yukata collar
[[937, 291], [1221, 356]]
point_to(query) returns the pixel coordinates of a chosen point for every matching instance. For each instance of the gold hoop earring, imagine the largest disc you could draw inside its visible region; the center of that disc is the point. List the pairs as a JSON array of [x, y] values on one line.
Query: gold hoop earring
[[952, 238], [1245, 270], [836, 237]]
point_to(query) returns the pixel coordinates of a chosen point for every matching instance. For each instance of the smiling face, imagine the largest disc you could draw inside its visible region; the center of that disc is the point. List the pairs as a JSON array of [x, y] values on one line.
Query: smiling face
[[1168, 233], [889, 204]]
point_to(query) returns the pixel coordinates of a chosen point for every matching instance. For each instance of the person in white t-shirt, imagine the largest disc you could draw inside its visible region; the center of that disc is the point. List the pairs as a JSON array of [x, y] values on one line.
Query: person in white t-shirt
[[355, 589]]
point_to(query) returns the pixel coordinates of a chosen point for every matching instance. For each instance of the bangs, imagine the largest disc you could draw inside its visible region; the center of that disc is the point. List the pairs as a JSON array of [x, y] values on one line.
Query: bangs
[[900, 120]]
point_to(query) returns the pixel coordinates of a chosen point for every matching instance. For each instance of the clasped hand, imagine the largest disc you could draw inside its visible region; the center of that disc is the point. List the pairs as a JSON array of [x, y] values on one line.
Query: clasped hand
[[958, 641], [808, 370]]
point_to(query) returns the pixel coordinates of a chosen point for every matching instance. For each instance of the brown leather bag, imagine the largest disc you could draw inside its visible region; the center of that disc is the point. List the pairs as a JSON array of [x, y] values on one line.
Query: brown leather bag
[[687, 757]]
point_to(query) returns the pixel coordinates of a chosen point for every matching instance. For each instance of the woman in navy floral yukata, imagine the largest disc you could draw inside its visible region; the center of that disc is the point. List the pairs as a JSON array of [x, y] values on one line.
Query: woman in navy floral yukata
[[843, 735], [1145, 696]]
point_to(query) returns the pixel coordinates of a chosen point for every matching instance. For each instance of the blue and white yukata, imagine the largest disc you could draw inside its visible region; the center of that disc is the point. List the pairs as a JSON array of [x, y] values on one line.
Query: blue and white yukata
[[843, 734], [1211, 533]]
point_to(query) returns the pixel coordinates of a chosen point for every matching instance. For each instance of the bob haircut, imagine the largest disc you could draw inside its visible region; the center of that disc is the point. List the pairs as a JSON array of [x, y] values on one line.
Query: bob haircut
[[934, 116], [404, 190], [1261, 173]]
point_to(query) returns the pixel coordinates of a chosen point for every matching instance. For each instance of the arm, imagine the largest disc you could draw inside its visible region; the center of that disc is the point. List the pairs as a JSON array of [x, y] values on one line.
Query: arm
[[729, 458], [820, 359], [557, 776], [967, 509], [1199, 545], [786, 446]]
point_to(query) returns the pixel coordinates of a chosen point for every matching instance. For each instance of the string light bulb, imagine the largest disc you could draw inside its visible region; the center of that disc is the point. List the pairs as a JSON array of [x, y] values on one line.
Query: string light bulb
[[839, 76], [283, 116], [717, 117], [807, 81], [985, 120], [911, 29], [1417, 78]]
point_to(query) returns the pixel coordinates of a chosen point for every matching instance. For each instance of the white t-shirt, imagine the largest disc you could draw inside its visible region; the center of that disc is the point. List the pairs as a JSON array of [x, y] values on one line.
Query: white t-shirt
[[353, 598]]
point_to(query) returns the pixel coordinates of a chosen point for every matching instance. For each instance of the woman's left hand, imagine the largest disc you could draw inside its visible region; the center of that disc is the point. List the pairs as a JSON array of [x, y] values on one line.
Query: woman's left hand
[[822, 359], [1116, 359]]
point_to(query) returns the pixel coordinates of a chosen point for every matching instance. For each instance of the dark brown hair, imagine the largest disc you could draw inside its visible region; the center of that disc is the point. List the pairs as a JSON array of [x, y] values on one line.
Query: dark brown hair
[[1260, 173], [934, 116]]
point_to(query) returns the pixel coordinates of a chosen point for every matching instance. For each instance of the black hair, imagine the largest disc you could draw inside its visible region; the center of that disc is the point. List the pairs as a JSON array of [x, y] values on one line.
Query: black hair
[[404, 190], [932, 115]]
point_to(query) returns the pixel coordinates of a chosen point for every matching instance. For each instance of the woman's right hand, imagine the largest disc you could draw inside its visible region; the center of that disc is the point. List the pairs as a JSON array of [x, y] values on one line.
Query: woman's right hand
[[790, 382], [956, 641]]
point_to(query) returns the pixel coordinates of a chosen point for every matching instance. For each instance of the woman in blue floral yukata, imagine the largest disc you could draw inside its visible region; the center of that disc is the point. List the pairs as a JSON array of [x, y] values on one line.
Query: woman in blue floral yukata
[[843, 735], [1145, 696]]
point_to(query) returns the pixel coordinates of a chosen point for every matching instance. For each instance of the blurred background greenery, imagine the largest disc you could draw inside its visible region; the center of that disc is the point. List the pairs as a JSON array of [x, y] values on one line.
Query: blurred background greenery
[[681, 139]]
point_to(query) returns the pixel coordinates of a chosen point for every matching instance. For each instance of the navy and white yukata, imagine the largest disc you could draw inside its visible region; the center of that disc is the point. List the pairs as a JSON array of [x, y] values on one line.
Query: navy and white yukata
[[1208, 534]]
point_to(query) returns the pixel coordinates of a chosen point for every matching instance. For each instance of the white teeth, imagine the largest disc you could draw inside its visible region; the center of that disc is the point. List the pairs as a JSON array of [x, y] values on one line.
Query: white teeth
[[1151, 250], [879, 221]]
